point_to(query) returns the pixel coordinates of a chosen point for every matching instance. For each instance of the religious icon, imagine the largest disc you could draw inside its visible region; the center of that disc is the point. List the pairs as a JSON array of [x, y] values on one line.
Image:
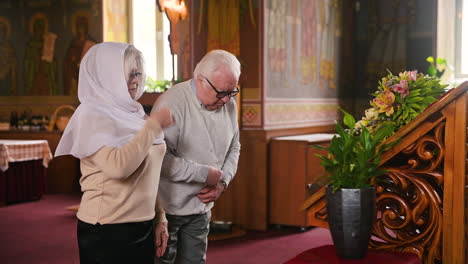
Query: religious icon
[[8, 61], [78, 47], [40, 67]]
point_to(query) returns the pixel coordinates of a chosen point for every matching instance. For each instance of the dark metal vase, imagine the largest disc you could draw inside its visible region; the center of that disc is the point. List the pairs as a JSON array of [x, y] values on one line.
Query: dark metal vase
[[351, 214]]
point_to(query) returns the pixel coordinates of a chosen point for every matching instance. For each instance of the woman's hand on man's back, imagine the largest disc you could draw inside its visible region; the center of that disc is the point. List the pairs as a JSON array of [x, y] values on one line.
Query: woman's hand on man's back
[[164, 116]]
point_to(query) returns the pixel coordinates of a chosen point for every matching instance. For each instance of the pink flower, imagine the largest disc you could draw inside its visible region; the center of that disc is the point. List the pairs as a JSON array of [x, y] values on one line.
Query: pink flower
[[408, 75], [401, 88], [413, 75]]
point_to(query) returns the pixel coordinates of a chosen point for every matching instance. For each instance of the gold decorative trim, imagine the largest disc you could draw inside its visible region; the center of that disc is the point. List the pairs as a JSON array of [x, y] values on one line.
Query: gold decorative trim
[[251, 94], [251, 115]]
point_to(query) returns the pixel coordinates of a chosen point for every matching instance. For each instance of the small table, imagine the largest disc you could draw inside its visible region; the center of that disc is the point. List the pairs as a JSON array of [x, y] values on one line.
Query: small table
[[23, 174], [327, 254]]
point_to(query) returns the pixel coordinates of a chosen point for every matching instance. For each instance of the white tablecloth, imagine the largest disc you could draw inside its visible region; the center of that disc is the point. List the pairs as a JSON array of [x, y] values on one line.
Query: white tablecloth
[[24, 150]]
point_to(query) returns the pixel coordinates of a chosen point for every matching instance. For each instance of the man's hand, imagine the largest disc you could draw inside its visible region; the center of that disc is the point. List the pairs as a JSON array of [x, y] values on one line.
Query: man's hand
[[211, 193], [214, 175], [162, 235]]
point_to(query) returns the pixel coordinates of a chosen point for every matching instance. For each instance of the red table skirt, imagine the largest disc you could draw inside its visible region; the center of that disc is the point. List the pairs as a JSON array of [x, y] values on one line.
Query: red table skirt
[[23, 181], [326, 254]]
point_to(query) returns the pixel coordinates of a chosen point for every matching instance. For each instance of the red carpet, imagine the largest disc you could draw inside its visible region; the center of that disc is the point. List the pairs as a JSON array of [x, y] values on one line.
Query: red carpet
[[39, 232], [44, 232], [328, 252], [273, 247]]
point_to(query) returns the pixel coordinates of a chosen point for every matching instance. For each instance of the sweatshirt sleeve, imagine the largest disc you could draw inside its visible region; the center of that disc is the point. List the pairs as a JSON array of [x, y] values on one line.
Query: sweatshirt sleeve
[[232, 158], [121, 162], [178, 169], [175, 168]]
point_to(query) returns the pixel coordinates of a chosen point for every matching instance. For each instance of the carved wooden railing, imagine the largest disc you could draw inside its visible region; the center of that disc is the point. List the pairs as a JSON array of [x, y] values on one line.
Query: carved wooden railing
[[421, 200]]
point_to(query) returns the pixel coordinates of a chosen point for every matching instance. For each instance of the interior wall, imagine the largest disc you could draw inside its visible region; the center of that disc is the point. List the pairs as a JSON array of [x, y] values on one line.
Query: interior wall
[[301, 62], [251, 58], [198, 31]]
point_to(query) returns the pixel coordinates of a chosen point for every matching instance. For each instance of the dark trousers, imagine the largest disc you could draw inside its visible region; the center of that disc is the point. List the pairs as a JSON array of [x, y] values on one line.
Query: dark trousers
[[125, 243]]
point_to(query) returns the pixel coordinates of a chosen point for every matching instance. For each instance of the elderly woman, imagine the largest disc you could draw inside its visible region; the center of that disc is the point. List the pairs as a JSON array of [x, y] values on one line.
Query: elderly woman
[[120, 151]]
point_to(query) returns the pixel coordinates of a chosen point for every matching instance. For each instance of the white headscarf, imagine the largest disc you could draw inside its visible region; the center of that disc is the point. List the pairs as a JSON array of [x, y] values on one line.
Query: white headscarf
[[107, 115]]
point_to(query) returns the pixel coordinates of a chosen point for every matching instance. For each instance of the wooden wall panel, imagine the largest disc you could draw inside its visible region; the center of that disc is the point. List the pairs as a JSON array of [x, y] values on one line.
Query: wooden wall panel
[[465, 153], [247, 198], [287, 181]]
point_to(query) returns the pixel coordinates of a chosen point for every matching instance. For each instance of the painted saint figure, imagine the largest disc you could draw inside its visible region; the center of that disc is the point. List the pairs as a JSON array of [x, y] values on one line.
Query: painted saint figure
[[79, 45], [39, 70], [8, 61]]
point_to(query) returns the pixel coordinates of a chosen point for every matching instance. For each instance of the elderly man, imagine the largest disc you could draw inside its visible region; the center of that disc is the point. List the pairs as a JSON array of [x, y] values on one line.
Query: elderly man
[[202, 153]]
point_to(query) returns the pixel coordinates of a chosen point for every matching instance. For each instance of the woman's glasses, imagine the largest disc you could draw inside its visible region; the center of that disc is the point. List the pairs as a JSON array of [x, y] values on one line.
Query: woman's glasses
[[134, 75]]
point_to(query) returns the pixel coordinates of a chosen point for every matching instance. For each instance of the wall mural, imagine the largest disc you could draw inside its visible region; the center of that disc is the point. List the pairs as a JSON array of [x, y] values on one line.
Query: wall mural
[[8, 59], [40, 65], [116, 20], [301, 62], [42, 43], [79, 45]]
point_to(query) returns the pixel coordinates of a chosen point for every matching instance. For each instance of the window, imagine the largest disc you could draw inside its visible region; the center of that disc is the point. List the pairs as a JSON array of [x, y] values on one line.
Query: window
[[461, 33], [149, 33], [452, 39]]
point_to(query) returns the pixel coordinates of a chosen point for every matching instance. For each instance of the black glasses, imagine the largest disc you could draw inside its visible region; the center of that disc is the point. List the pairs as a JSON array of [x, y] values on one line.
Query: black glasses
[[221, 95]]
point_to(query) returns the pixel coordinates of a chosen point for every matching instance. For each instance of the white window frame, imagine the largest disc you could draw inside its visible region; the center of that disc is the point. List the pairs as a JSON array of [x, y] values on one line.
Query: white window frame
[[449, 40], [461, 17], [162, 54]]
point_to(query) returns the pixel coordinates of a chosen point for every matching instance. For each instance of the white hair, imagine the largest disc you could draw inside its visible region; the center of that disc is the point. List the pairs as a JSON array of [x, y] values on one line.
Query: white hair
[[133, 59], [216, 60]]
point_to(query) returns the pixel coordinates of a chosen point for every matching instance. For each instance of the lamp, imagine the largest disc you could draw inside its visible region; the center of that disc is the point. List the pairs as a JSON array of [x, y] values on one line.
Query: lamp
[[175, 9]]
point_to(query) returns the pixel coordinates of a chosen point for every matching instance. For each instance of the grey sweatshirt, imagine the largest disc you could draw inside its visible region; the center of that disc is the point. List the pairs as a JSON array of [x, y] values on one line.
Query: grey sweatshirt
[[199, 138]]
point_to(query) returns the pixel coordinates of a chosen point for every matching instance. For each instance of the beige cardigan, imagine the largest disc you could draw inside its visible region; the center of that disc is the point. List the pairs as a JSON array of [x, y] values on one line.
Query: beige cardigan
[[120, 185]]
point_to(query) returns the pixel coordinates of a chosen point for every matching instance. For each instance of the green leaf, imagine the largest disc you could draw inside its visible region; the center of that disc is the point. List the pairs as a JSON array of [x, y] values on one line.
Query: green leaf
[[432, 71], [348, 119], [384, 131], [441, 61]]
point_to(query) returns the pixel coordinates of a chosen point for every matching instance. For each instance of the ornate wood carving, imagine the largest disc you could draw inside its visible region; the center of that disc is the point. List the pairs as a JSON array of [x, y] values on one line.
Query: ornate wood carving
[[422, 202], [409, 199]]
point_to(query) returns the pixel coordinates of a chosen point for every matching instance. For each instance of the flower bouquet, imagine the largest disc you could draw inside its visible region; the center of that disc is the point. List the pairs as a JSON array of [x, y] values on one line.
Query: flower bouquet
[[399, 99]]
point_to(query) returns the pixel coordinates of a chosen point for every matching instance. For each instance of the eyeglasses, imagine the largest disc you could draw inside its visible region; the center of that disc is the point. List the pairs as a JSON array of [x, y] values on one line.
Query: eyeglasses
[[133, 75], [221, 95]]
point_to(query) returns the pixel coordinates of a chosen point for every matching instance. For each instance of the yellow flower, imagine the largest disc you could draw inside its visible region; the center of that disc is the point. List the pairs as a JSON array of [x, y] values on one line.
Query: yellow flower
[[361, 123], [386, 84], [384, 102]]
